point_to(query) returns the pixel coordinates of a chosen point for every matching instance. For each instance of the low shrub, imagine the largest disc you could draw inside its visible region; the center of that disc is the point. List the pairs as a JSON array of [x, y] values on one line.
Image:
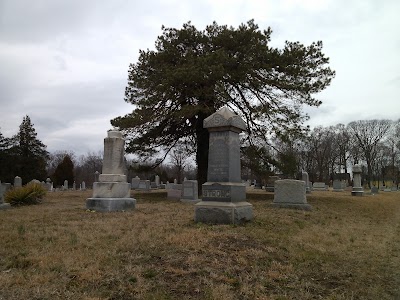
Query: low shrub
[[29, 194]]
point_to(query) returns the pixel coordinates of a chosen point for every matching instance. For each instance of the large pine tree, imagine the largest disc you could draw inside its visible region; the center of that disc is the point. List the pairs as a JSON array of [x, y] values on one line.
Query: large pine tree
[[29, 152], [193, 73]]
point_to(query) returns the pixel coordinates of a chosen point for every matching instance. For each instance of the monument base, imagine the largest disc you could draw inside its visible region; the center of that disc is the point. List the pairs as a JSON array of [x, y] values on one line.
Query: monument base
[[111, 190], [224, 192], [192, 201], [213, 212], [302, 206], [357, 191], [110, 204], [5, 206]]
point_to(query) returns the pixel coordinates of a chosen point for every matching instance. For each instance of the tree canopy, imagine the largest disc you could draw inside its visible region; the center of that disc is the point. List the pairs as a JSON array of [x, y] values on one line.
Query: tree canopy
[[192, 73]]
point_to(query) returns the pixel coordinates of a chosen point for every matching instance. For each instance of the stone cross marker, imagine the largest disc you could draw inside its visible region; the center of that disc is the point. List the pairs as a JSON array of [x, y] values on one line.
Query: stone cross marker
[[357, 188], [112, 192], [224, 195]]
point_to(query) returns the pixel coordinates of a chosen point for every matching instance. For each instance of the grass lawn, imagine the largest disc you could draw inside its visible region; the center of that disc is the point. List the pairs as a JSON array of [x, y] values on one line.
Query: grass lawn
[[346, 248]]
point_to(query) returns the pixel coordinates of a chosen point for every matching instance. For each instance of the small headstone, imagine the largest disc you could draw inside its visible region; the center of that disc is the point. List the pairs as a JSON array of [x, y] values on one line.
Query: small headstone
[[17, 182], [144, 185], [190, 191], [184, 179], [374, 190], [357, 188], [83, 185], [157, 181], [338, 185], [135, 182], [65, 184], [3, 190], [175, 181], [319, 186], [74, 186], [394, 188], [269, 187], [153, 185], [291, 193]]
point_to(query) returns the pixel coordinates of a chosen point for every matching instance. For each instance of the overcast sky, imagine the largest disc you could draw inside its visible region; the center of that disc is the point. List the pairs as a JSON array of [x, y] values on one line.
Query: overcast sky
[[64, 63]]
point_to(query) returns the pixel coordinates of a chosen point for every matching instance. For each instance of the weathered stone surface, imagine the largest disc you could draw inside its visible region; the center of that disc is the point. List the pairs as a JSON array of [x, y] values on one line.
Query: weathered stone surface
[[17, 182], [338, 185], [112, 178], [3, 189], [374, 190], [357, 188], [114, 162], [112, 192], [110, 204], [111, 189], [224, 195], [319, 186], [304, 177], [224, 191], [190, 191], [144, 185], [223, 212], [291, 193], [135, 182]]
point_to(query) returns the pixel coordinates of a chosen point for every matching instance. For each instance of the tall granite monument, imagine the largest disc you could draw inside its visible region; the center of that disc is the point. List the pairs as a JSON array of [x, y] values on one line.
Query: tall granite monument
[[224, 195], [112, 191]]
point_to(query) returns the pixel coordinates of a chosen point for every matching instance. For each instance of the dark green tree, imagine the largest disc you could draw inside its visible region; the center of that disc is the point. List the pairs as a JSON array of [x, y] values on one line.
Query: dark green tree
[[193, 73], [29, 152], [7, 162], [64, 171]]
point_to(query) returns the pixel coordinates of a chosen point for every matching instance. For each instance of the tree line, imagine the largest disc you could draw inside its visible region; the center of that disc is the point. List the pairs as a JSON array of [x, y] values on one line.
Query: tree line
[[327, 152]]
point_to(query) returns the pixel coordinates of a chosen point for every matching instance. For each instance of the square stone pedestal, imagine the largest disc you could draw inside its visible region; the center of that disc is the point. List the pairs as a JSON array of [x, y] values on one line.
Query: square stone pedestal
[[357, 191], [111, 196]]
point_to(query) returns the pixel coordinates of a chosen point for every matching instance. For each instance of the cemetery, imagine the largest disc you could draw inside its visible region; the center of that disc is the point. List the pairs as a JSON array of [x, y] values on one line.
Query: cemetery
[[258, 159], [136, 239]]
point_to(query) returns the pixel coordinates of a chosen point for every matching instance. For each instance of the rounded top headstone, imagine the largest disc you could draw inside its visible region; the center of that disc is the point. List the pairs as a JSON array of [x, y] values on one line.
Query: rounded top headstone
[[224, 117], [357, 169], [114, 134]]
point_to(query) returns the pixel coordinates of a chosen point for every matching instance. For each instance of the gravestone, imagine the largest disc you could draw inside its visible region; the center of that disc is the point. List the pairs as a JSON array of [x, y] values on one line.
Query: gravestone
[[190, 191], [357, 188], [144, 185], [304, 177], [175, 181], [290, 193], [3, 190], [269, 187], [65, 186], [135, 182], [49, 185], [157, 180], [338, 185], [319, 186], [112, 192], [224, 195], [83, 185], [17, 182], [374, 190], [174, 191], [74, 186]]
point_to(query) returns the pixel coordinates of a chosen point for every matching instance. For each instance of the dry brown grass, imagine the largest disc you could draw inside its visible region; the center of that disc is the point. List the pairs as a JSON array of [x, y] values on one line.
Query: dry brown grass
[[346, 248]]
